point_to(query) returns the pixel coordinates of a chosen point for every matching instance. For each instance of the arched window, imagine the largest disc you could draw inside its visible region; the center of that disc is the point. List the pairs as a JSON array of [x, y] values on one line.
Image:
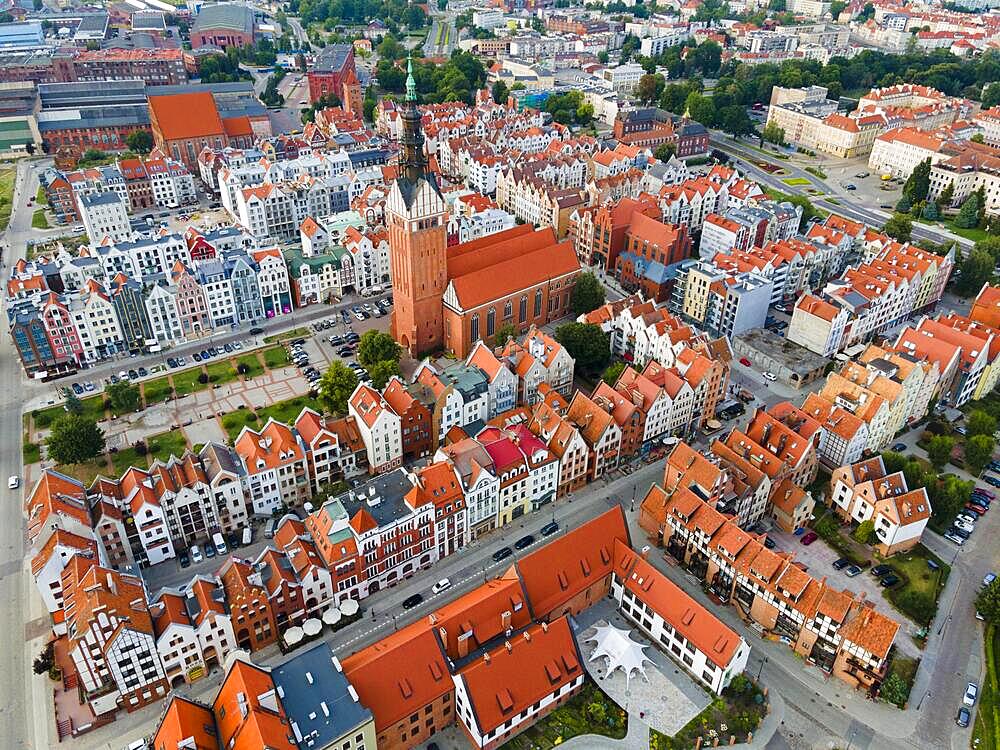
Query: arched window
[[523, 311], [538, 302], [474, 328], [508, 310], [491, 321]]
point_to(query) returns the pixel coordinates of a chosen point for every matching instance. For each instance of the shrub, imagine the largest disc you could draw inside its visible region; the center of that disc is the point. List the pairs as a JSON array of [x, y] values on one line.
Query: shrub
[[140, 448], [203, 377]]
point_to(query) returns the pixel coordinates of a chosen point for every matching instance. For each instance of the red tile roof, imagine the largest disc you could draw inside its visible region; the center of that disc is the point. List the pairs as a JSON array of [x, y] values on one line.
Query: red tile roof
[[192, 115]]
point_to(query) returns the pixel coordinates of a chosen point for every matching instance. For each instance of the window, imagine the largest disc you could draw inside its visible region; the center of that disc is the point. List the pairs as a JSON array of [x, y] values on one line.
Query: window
[[474, 327], [491, 321], [508, 310], [538, 302], [523, 310]]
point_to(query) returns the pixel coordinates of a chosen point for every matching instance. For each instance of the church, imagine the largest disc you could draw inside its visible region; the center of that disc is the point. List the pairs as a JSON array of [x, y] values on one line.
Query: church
[[445, 299]]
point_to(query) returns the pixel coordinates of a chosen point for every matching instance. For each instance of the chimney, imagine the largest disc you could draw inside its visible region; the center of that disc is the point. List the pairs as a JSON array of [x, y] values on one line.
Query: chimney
[[506, 645], [527, 636], [644, 552], [486, 658], [505, 620], [545, 627]]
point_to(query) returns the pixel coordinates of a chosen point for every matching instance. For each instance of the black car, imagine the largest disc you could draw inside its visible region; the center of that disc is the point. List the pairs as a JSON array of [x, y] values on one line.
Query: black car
[[345, 352], [77, 389], [550, 528], [143, 372], [524, 541], [171, 362], [840, 564], [899, 447], [957, 531], [228, 348], [880, 570], [963, 717], [889, 581], [769, 542], [980, 500], [185, 561], [298, 342], [412, 601], [256, 331], [502, 554], [132, 374]]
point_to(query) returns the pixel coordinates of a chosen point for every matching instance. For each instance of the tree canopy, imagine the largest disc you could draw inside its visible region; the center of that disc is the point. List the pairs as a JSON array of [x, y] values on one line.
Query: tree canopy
[[74, 439], [376, 346], [123, 396], [140, 141], [456, 80], [588, 294], [587, 344], [336, 387]]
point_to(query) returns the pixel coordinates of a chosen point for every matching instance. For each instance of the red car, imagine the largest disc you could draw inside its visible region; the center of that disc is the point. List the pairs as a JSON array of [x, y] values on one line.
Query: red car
[[745, 362], [976, 508], [809, 537]]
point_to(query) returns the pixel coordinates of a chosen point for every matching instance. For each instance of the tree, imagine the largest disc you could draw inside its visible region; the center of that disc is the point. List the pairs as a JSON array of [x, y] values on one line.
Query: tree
[[978, 453], [968, 215], [947, 196], [650, 88], [919, 182], [140, 141], [988, 602], [74, 439], [664, 151], [701, 109], [894, 690], [990, 245], [613, 372], [602, 57], [44, 661], [939, 450], [904, 204], [735, 121], [864, 532], [382, 371], [73, 404], [504, 333], [899, 226], [123, 396], [773, 134], [376, 346], [588, 294], [991, 95], [977, 269], [500, 92], [978, 138], [930, 211], [980, 422], [587, 344], [836, 8], [336, 387]]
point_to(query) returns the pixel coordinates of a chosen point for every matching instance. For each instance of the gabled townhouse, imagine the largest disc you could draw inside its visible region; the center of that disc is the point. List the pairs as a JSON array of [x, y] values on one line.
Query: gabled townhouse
[[294, 540], [438, 484], [681, 395], [843, 436], [599, 431], [380, 427], [249, 610], [284, 593], [564, 440], [480, 483], [628, 415], [248, 710], [539, 358], [327, 460], [273, 282], [48, 563], [330, 531], [502, 383], [528, 472], [461, 396], [275, 469], [651, 398]]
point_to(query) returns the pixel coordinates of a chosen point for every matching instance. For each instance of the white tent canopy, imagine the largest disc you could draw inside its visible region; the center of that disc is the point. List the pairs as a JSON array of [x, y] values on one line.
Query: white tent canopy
[[293, 635], [620, 652], [349, 607], [312, 626], [332, 616]]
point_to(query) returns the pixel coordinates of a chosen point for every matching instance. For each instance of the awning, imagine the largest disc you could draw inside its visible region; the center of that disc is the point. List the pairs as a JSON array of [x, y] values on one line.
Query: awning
[[312, 626]]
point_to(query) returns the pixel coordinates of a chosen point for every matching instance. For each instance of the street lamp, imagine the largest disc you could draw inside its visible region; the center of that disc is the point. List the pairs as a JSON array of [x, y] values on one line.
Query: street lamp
[[760, 669]]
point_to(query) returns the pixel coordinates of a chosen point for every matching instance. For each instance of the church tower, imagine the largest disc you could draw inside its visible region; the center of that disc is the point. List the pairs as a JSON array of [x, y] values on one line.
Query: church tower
[[351, 97], [415, 213]]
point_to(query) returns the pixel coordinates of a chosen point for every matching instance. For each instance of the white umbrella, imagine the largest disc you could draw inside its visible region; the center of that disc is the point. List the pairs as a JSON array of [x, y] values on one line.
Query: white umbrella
[[312, 626], [293, 635], [332, 616], [349, 607]]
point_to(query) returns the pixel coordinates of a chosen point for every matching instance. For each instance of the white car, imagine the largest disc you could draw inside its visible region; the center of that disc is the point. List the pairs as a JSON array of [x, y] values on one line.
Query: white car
[[13, 482], [971, 693], [770, 376], [440, 586], [196, 554]]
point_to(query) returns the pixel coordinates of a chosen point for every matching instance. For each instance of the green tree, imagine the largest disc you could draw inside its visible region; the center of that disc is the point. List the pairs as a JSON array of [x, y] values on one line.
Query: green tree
[[836, 8], [990, 245], [140, 141], [613, 372], [336, 387], [980, 422], [773, 134], [978, 138], [968, 215], [979, 452], [500, 92], [977, 269], [919, 182], [939, 450], [947, 196], [865, 531], [650, 88], [899, 227], [123, 396], [930, 211], [73, 404], [664, 151], [904, 204], [735, 121], [588, 294], [504, 333], [991, 95], [988, 602], [377, 346], [701, 109], [587, 344], [382, 371], [602, 57], [74, 439], [894, 690]]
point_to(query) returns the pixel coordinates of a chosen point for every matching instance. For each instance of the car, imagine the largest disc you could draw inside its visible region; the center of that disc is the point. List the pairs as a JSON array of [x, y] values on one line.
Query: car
[[745, 362], [336, 340], [971, 693], [88, 387], [841, 563], [880, 570], [781, 308], [770, 376], [359, 315], [963, 717], [954, 538], [976, 508], [889, 581], [769, 542], [524, 542], [967, 515], [183, 559], [219, 542], [961, 430], [228, 348], [256, 331], [979, 500], [899, 447], [851, 186], [989, 578], [412, 601], [987, 493], [861, 175], [808, 538], [959, 531], [13, 482], [133, 374], [992, 481], [550, 528], [502, 554], [345, 351], [852, 571], [77, 389], [143, 372], [197, 357], [441, 585], [994, 465], [196, 555], [964, 524]]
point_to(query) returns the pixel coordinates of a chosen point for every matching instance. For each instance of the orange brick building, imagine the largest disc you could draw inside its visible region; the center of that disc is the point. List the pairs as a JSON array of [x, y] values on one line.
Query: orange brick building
[[184, 124]]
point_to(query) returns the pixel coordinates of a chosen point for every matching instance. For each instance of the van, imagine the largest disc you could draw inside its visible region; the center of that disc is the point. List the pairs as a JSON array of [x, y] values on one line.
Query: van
[[247, 536], [220, 543], [271, 527]]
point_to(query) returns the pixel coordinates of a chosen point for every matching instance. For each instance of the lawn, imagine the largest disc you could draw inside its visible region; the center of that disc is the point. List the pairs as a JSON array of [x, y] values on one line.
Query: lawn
[[975, 234], [816, 171], [917, 596], [827, 525], [252, 363], [906, 669], [796, 181], [287, 411], [740, 709], [93, 407], [986, 730], [156, 390], [32, 453], [186, 381], [38, 220], [234, 422], [123, 459], [7, 177], [40, 198], [86, 472], [166, 444], [221, 372], [295, 333], [590, 711], [276, 357]]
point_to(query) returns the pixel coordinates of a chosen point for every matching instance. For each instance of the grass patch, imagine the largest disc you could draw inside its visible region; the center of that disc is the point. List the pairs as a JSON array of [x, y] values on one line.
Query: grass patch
[[295, 333], [975, 234], [40, 198], [7, 177], [796, 181], [32, 452], [590, 711], [906, 669], [817, 172], [276, 357], [234, 422], [827, 526], [287, 411], [123, 459], [186, 382], [86, 473], [252, 363], [221, 372], [165, 444], [741, 708], [155, 391], [917, 595], [93, 408], [986, 730], [38, 220]]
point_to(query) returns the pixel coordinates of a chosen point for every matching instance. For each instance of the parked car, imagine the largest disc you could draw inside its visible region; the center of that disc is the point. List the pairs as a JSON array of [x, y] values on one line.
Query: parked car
[[889, 581], [880, 570], [841, 563], [959, 531], [77, 389], [769, 542], [979, 500], [971, 693], [209, 551], [988, 579], [524, 541], [196, 555], [852, 571], [809, 537], [197, 357], [502, 554], [550, 528], [993, 481], [770, 376], [745, 362], [441, 585], [256, 331], [412, 601], [963, 717], [954, 538], [183, 559], [13, 482], [976, 508], [961, 430], [982, 491], [899, 447]]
